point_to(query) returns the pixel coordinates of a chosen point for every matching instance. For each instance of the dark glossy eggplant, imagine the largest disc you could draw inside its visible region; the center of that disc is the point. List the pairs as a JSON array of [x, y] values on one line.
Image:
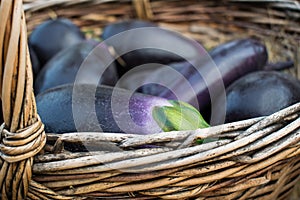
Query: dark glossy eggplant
[[118, 27], [198, 82], [85, 107], [55, 109], [152, 45], [260, 94], [52, 36], [87, 62], [280, 65]]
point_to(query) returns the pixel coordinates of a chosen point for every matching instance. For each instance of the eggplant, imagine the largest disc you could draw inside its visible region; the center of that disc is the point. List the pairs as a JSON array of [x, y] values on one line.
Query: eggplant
[[86, 107], [145, 45], [260, 94], [200, 81], [118, 27], [53, 35], [280, 65], [87, 61]]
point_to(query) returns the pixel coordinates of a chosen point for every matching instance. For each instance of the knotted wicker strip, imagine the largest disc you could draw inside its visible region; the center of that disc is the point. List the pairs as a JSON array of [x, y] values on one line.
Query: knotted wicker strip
[[252, 159]]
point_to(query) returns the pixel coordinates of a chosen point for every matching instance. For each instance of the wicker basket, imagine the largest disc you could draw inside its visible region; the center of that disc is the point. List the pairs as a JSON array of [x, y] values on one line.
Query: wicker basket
[[257, 158]]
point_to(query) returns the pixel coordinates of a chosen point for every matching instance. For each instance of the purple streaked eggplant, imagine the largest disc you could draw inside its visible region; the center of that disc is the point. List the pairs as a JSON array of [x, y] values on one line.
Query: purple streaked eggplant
[[233, 60], [147, 44], [86, 107], [88, 57], [260, 94], [230, 61], [53, 35]]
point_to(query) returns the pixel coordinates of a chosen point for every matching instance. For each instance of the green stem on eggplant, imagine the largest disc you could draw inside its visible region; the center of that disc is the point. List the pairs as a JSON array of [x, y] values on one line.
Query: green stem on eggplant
[[179, 117]]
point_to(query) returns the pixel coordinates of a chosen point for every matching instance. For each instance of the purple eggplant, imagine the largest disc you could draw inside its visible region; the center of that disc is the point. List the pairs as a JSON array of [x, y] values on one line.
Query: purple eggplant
[[260, 94], [200, 81], [86, 107], [280, 65], [233, 60], [146, 44], [86, 62], [51, 36], [118, 27]]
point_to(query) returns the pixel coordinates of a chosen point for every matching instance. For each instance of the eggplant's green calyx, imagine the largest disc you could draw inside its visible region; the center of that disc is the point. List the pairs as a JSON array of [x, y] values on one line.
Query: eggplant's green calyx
[[181, 116]]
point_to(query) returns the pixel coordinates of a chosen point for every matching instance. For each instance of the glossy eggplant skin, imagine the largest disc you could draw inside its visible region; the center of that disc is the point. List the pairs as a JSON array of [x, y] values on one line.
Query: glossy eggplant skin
[[52, 36], [146, 45], [83, 62], [118, 27], [261, 94], [62, 107], [239, 57], [229, 61]]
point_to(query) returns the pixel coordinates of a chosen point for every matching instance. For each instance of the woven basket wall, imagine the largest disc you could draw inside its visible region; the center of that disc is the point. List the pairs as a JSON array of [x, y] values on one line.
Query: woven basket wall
[[257, 158]]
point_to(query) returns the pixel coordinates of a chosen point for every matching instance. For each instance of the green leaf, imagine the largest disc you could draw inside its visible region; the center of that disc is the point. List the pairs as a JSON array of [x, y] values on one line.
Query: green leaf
[[159, 116], [191, 113], [180, 116]]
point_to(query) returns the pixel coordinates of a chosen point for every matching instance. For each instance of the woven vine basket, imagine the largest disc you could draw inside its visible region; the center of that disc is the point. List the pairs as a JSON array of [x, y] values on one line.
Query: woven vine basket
[[256, 158]]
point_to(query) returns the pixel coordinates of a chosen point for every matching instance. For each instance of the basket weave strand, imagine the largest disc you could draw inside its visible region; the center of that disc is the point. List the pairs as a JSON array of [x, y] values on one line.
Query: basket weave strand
[[117, 182], [253, 159]]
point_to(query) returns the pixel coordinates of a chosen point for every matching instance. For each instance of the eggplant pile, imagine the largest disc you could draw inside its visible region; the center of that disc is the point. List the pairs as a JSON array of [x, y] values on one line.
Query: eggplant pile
[[144, 79], [65, 66], [51, 36], [229, 62]]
